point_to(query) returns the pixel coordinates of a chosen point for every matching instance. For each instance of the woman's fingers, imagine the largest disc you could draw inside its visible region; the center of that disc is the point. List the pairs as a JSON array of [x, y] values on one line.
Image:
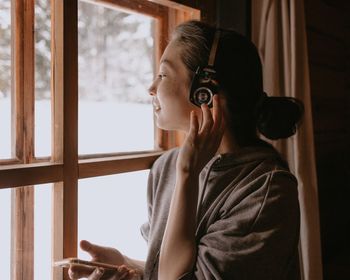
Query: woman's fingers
[[207, 121], [209, 133], [92, 249], [79, 271], [194, 126], [124, 272], [213, 125], [97, 274]]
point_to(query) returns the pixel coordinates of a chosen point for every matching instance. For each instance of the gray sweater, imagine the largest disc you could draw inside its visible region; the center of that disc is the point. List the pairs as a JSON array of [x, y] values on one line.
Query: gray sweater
[[248, 218]]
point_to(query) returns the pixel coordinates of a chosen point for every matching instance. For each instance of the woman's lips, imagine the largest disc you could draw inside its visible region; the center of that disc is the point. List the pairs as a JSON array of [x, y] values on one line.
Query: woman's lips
[[156, 105]]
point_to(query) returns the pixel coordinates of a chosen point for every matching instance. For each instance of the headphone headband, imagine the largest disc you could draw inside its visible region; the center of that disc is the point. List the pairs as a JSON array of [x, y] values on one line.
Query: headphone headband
[[204, 84], [214, 47]]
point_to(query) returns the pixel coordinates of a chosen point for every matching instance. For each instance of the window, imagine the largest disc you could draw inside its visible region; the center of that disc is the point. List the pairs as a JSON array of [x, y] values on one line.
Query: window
[[51, 95], [42, 231], [5, 79], [42, 82], [116, 61], [5, 239], [114, 217]]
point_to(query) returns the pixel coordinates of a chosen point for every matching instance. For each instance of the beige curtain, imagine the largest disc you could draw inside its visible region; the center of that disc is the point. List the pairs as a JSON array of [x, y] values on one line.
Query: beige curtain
[[278, 31]]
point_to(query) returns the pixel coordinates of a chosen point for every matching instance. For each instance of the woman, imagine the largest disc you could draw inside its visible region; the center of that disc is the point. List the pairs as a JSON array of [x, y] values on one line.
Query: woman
[[224, 205]]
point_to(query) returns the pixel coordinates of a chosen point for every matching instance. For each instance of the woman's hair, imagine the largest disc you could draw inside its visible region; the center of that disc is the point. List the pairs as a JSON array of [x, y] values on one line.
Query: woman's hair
[[239, 74]]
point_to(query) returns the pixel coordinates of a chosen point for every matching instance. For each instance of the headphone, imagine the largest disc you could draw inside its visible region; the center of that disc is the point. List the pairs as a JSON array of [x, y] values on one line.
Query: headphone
[[204, 84]]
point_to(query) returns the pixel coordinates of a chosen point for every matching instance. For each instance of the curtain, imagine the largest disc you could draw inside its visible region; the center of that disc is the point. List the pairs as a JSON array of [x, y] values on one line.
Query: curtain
[[278, 31]]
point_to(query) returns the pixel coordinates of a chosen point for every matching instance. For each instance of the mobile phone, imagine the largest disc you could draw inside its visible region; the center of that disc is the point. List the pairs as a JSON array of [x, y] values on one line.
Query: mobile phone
[[90, 266], [69, 261]]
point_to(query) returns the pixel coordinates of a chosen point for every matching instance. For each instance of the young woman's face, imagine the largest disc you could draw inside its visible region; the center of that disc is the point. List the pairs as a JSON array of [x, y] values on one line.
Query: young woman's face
[[170, 91]]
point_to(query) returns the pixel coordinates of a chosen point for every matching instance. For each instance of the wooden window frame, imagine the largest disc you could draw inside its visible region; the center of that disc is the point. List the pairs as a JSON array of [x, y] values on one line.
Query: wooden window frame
[[65, 167]]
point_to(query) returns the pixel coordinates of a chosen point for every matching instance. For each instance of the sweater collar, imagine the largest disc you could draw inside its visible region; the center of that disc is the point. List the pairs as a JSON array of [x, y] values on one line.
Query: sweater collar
[[243, 155]]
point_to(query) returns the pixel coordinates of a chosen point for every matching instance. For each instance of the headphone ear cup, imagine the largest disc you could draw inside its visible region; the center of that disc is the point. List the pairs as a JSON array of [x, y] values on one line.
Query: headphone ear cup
[[203, 95], [203, 88]]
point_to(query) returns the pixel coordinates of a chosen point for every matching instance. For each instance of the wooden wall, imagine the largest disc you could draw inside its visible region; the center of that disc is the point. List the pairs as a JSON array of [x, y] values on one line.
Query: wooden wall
[[328, 34]]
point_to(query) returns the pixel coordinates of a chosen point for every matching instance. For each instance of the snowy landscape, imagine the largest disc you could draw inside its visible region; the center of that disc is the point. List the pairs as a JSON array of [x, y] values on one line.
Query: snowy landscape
[[111, 208]]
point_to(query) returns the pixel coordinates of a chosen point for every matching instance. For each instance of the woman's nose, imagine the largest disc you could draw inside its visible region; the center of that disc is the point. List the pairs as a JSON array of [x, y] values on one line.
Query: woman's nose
[[152, 90]]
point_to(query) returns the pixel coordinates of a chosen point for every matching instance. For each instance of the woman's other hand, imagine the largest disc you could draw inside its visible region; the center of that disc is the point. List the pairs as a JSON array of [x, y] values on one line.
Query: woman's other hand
[[201, 143], [122, 273], [104, 255]]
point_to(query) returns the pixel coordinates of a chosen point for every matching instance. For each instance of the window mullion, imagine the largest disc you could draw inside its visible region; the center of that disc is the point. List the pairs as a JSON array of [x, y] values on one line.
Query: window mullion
[[57, 131], [17, 114], [22, 217], [22, 237], [164, 139], [65, 128], [28, 81]]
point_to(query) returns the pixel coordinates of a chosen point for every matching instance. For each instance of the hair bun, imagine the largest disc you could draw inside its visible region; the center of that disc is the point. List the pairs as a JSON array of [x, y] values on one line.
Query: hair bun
[[278, 117]]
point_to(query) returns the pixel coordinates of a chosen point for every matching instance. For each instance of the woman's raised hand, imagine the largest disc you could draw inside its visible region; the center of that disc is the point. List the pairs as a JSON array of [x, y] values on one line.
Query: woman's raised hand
[[202, 141], [104, 255]]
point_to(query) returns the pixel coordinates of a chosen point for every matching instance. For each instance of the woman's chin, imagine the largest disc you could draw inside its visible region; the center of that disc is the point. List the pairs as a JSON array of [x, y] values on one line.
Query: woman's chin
[[171, 128], [166, 125], [169, 123]]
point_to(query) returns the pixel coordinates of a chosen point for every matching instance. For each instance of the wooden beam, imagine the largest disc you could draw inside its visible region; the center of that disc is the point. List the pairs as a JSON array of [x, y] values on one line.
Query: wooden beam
[[16, 175], [29, 174], [57, 131], [65, 123], [17, 80], [186, 6], [4, 162], [22, 234], [207, 8], [70, 129], [28, 97], [22, 201], [135, 6], [113, 165]]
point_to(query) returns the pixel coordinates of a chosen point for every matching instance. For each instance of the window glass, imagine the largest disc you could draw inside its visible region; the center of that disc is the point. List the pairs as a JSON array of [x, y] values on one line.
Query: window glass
[[111, 210], [5, 79], [42, 78], [115, 69], [5, 233], [42, 232]]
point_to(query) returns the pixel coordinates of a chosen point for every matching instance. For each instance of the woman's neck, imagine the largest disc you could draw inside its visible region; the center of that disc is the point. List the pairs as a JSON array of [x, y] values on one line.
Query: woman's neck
[[228, 144]]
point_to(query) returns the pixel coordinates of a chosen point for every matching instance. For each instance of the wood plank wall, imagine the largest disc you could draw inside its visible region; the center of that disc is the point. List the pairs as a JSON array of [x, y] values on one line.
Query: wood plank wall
[[328, 34]]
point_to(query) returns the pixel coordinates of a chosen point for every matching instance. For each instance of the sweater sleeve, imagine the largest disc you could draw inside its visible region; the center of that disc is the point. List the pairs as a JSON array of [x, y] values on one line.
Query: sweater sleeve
[[256, 237], [157, 177], [145, 228]]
